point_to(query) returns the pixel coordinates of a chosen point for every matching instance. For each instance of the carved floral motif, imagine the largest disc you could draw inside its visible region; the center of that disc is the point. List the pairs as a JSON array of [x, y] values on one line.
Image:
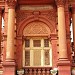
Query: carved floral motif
[[36, 28]]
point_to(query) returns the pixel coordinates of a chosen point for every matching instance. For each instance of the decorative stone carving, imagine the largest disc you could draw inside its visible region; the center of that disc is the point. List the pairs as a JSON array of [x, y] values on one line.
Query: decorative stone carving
[[21, 16], [60, 2], [36, 15], [51, 15], [11, 3], [36, 27]]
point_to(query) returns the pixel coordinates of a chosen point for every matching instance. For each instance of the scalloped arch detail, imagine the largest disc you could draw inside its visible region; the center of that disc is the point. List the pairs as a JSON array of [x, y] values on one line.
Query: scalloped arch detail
[[50, 24], [36, 28]]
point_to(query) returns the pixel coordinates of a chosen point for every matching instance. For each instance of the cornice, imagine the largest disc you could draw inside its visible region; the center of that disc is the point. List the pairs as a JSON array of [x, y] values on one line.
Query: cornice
[[53, 36], [35, 2]]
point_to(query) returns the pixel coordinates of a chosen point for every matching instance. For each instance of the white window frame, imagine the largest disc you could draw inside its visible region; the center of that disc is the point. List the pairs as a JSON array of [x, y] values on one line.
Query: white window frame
[[42, 48]]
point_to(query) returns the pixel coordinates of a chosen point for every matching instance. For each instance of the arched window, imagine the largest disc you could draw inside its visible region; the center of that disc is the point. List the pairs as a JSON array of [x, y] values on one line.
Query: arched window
[[37, 51]]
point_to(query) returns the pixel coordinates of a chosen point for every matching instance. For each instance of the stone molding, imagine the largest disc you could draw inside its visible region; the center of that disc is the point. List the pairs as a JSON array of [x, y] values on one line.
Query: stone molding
[[64, 62], [25, 22], [37, 28], [36, 8], [53, 36], [21, 15], [19, 37], [23, 18]]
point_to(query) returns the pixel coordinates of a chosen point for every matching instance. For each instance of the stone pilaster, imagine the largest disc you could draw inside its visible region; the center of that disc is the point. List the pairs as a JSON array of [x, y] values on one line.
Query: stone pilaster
[[53, 40], [62, 30], [10, 31], [63, 62], [9, 64], [0, 31], [73, 22]]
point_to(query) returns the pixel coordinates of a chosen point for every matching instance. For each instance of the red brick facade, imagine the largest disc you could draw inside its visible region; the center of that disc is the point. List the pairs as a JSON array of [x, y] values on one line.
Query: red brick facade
[[30, 19]]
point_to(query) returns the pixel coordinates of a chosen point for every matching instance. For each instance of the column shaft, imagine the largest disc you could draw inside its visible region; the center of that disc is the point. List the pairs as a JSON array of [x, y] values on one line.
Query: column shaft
[[63, 63], [62, 33], [10, 34], [73, 22], [0, 31]]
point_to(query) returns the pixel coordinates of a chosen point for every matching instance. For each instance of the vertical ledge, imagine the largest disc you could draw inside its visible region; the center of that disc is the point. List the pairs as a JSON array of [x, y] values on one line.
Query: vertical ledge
[[9, 63], [73, 22], [0, 31], [63, 62]]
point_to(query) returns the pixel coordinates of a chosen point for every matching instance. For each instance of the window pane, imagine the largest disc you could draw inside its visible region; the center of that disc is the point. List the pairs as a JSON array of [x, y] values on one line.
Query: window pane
[[27, 58], [46, 43], [37, 57], [47, 58], [37, 43], [27, 43]]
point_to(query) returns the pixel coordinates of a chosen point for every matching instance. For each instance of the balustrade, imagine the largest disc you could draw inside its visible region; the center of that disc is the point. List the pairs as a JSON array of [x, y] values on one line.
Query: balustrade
[[37, 70]]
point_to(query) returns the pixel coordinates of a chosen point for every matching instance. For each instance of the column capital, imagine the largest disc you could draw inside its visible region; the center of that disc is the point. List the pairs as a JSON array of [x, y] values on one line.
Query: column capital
[[60, 3], [11, 3]]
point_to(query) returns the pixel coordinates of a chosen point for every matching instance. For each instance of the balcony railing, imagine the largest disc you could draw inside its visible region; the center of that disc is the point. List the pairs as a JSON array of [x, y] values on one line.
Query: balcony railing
[[37, 70]]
